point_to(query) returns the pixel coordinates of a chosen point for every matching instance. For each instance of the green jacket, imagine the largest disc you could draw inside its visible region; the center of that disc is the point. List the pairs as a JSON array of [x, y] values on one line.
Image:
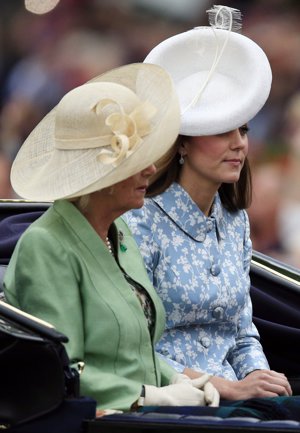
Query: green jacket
[[62, 272]]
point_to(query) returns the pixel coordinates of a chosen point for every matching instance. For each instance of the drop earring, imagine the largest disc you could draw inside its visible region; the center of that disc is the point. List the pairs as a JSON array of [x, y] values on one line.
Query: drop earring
[[181, 160]]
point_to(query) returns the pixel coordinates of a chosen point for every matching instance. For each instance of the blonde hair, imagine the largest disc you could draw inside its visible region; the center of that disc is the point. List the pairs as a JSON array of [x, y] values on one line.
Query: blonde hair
[[81, 202]]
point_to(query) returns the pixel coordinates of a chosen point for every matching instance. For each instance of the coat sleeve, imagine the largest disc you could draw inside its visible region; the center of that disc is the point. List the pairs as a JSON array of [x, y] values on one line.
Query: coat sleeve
[[167, 371], [248, 353], [42, 280]]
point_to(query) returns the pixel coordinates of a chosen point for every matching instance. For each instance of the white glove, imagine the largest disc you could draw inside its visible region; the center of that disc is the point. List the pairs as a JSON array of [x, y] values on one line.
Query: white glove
[[180, 394], [211, 394], [181, 378]]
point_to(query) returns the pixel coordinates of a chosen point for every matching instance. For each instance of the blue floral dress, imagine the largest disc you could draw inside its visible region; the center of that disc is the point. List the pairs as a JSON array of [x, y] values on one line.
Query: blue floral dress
[[200, 268]]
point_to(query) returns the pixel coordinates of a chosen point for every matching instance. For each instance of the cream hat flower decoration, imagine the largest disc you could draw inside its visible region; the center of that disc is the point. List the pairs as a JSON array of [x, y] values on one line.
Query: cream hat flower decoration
[[127, 129]]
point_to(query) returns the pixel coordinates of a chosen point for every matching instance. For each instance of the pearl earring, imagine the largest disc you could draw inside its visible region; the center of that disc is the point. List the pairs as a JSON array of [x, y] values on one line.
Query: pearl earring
[[181, 160]]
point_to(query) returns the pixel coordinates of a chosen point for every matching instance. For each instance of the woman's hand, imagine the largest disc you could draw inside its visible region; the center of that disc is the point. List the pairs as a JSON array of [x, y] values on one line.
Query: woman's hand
[[262, 383], [258, 383]]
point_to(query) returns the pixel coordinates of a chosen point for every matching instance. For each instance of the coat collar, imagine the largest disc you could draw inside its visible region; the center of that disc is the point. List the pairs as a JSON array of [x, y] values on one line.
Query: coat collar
[[80, 226], [184, 212]]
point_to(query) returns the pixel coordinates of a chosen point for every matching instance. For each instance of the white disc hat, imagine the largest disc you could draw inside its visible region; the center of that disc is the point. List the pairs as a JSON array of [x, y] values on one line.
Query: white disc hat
[[222, 77]]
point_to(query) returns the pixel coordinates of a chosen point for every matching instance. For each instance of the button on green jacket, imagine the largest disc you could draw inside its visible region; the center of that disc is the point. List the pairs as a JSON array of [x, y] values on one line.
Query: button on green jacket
[[62, 272]]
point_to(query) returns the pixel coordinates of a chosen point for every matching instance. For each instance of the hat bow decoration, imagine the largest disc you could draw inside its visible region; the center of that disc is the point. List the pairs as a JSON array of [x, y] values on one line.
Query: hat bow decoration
[[225, 18], [127, 130], [122, 132]]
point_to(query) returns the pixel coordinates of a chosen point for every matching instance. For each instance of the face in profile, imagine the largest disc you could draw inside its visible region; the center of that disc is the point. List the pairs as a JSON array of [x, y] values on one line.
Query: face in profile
[[130, 193], [217, 158]]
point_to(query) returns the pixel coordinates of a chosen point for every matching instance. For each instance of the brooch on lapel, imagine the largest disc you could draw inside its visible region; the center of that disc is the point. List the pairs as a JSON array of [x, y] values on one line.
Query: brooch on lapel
[[123, 247]]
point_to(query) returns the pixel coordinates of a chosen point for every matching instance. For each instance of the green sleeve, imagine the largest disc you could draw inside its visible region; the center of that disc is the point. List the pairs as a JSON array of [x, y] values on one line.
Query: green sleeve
[[41, 280], [167, 371]]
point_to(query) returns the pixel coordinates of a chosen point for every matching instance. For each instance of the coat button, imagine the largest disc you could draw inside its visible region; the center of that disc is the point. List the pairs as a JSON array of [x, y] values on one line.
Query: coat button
[[215, 270], [218, 313], [205, 341]]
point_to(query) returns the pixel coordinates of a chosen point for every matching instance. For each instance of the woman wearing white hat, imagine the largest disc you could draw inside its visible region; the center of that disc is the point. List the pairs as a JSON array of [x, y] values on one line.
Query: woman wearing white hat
[[194, 232], [77, 266]]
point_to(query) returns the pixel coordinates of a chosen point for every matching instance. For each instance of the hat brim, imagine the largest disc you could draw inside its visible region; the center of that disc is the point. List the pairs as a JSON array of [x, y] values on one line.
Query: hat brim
[[40, 172]]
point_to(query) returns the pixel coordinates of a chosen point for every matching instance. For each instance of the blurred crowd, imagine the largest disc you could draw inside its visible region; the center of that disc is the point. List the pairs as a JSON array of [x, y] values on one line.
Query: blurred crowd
[[44, 56]]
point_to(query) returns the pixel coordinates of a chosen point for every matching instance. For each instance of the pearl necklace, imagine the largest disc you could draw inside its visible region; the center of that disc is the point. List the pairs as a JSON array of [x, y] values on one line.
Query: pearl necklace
[[109, 245]]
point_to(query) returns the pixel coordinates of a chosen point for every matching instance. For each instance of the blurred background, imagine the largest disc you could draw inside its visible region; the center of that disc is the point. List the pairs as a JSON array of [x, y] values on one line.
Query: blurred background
[[42, 56]]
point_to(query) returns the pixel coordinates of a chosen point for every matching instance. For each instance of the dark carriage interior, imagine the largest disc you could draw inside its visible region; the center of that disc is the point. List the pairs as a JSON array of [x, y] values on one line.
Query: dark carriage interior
[[275, 293]]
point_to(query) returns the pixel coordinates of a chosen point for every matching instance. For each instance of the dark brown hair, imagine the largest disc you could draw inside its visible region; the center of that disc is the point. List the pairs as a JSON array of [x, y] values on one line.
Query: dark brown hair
[[234, 196]]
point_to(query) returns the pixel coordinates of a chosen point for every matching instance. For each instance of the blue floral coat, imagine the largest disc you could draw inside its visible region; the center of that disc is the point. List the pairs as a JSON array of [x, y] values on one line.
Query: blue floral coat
[[200, 268]]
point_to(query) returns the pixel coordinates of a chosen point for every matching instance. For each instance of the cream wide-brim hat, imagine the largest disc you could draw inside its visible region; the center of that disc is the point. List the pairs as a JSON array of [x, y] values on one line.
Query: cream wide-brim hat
[[220, 98], [51, 164]]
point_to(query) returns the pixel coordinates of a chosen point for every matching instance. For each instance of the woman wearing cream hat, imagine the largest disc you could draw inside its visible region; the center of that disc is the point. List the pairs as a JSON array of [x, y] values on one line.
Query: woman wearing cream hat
[[193, 231], [78, 266]]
